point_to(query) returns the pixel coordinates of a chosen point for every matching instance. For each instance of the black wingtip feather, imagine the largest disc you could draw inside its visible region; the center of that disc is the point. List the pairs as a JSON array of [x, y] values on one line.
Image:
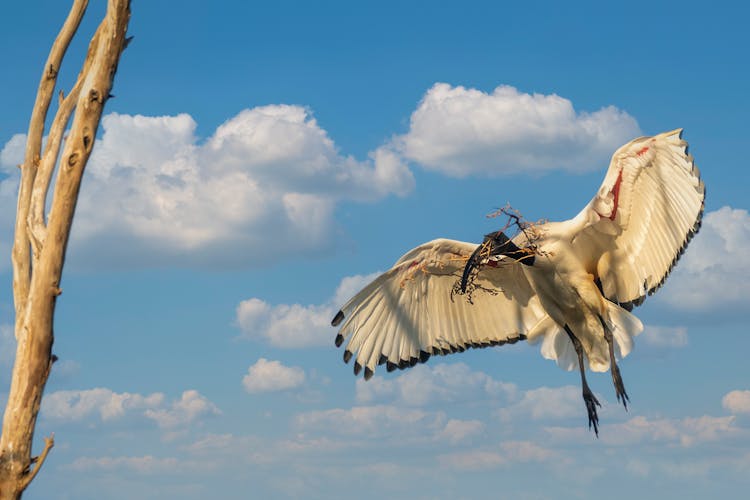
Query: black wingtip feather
[[347, 356], [339, 340], [382, 359], [389, 366], [357, 368], [424, 356], [338, 318], [368, 373]]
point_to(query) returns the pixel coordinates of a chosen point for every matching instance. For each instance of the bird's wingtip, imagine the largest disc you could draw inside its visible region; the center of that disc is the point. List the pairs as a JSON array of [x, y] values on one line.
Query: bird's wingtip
[[336, 321]]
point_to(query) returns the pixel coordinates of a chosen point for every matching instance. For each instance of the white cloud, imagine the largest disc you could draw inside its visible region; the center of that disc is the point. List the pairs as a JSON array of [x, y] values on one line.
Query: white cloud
[[268, 376], [146, 464], [442, 382], [462, 131], [12, 153], [526, 451], [368, 426], [665, 336], [715, 270], [686, 432], [545, 403], [189, 408], [380, 425], [737, 402], [456, 431], [77, 405], [472, 460], [372, 421], [266, 183], [510, 453], [211, 443], [263, 186], [107, 405], [296, 325], [706, 428]]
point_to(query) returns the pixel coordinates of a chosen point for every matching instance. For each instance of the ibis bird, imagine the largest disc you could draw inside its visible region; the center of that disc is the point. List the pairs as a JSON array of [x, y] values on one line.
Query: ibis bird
[[569, 285]]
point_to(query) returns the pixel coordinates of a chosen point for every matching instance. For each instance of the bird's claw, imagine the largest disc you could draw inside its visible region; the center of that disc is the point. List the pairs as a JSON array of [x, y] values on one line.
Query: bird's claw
[[620, 391], [591, 404]]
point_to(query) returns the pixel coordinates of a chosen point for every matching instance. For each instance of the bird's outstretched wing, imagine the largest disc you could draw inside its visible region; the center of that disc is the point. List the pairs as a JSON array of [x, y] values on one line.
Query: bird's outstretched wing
[[645, 212], [411, 311]]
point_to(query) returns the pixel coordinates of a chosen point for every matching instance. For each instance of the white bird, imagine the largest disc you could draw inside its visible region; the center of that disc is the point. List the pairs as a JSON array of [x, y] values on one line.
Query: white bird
[[570, 285]]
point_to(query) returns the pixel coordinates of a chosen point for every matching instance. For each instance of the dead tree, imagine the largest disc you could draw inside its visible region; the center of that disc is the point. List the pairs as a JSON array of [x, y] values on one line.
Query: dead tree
[[40, 239]]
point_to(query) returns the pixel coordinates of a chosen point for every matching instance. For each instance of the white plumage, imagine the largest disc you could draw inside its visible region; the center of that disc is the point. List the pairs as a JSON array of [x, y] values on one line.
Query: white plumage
[[567, 284]]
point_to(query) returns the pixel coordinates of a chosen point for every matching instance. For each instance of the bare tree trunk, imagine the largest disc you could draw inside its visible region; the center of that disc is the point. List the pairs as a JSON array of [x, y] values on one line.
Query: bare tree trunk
[[40, 241]]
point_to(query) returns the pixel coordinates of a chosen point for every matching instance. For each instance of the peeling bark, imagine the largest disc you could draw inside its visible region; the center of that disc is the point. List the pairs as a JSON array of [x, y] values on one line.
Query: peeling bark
[[40, 240]]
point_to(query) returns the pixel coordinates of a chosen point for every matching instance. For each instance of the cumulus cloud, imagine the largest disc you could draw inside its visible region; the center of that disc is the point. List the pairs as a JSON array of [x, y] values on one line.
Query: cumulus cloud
[[665, 337], [296, 325], [456, 431], [686, 432], [146, 464], [11, 155], [262, 186], [462, 131], [371, 421], [77, 405], [545, 403], [713, 273], [190, 407], [106, 405], [383, 424], [509, 453], [426, 384], [269, 376], [737, 402], [266, 182], [526, 451], [472, 460]]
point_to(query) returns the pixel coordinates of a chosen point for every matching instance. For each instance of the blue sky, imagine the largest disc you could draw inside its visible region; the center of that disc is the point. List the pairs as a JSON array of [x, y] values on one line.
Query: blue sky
[[259, 161]]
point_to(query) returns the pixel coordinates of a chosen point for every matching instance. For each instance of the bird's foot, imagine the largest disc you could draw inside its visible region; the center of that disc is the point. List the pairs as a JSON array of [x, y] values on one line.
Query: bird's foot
[[591, 404], [622, 395]]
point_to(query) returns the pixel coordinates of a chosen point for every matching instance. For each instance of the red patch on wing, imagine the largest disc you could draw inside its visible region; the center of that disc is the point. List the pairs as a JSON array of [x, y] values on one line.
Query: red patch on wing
[[412, 264], [616, 193], [642, 150], [492, 263]]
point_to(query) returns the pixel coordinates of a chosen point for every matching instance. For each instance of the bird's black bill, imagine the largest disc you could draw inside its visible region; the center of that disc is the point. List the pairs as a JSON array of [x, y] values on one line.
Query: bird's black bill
[[471, 264], [502, 245], [494, 244]]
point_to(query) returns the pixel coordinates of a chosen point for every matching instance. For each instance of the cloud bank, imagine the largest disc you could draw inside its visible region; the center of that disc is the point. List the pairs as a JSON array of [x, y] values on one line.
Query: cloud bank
[[266, 183], [296, 325], [104, 405], [270, 376], [461, 131], [715, 270]]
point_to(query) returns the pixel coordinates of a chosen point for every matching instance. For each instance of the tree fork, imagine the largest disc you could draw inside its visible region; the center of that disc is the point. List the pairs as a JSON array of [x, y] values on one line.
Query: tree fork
[[40, 243]]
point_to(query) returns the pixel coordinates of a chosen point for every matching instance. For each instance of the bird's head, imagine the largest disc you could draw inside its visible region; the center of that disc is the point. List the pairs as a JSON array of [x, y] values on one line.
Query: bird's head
[[494, 245]]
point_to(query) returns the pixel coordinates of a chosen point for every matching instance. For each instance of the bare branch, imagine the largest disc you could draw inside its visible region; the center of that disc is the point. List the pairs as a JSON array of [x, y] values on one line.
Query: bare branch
[[21, 252], [36, 219], [49, 442], [37, 279]]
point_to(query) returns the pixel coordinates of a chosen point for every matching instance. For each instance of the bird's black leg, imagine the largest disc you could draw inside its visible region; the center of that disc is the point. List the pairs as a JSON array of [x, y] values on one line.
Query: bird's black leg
[[622, 395], [588, 396]]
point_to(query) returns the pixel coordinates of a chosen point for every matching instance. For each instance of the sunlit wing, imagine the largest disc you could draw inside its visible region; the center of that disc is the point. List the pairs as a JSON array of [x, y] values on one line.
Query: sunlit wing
[[642, 218], [409, 312]]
